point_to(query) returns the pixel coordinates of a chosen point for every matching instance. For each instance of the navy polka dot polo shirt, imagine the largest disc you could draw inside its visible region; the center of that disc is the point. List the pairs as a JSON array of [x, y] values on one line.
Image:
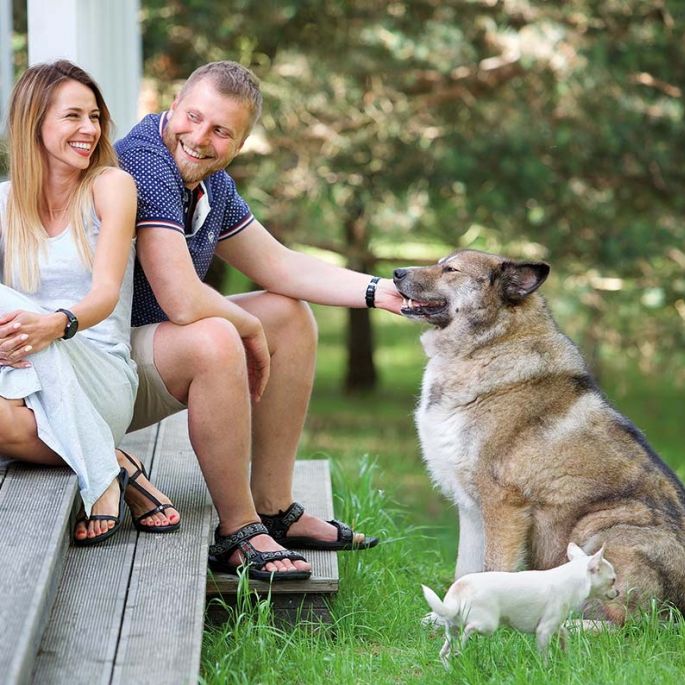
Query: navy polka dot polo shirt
[[219, 211]]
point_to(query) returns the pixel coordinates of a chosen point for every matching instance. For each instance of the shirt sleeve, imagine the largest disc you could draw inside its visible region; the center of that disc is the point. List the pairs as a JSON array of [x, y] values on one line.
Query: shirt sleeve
[[237, 214], [160, 199]]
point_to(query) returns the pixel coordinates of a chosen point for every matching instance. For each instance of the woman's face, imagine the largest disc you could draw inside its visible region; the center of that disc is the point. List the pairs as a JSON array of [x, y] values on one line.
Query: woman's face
[[71, 128]]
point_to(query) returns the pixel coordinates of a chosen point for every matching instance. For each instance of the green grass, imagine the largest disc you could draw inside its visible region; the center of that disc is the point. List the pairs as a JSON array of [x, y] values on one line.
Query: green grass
[[381, 487]]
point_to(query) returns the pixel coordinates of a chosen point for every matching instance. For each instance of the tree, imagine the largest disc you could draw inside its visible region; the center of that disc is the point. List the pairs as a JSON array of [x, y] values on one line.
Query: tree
[[544, 129]]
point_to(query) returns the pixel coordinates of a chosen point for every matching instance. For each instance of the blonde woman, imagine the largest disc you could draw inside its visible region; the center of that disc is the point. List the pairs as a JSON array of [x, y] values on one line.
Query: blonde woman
[[67, 382]]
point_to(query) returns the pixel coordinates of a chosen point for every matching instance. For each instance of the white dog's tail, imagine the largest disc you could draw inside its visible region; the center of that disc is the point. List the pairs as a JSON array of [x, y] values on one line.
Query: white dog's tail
[[436, 604]]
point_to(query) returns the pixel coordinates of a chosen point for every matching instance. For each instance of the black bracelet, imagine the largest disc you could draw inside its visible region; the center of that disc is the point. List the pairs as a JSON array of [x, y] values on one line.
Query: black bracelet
[[371, 292]]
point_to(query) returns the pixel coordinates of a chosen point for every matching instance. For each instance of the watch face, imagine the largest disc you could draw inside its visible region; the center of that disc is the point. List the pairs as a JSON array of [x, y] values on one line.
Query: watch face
[[72, 324]]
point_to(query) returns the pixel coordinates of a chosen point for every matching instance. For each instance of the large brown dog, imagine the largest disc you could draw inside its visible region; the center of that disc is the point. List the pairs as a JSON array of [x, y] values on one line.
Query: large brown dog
[[514, 430]]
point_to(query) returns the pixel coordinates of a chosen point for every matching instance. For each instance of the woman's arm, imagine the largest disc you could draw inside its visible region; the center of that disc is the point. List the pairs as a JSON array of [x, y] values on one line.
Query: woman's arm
[[114, 195]]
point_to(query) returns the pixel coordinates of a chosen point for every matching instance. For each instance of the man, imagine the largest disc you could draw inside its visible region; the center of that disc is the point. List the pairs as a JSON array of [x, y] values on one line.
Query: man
[[242, 365]]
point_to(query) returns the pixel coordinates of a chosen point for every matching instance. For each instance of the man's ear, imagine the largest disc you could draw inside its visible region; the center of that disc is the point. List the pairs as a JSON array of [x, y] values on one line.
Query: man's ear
[[596, 560], [520, 279], [574, 552]]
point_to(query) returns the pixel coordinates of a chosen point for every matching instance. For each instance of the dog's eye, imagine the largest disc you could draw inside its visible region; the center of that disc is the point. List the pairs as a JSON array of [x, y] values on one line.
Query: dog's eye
[[449, 270]]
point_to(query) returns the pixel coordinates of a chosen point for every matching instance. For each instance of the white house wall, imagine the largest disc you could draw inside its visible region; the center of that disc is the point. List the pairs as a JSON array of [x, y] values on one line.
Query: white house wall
[[102, 37]]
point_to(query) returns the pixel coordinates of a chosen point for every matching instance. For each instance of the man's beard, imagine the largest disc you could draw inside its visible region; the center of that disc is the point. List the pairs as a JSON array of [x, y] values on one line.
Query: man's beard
[[191, 173]]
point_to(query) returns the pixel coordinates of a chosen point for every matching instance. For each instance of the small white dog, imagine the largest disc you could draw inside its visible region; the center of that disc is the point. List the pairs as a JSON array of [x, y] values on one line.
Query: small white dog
[[531, 601]]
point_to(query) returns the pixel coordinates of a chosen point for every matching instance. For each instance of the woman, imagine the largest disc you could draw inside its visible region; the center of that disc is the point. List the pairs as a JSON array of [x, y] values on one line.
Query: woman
[[66, 253]]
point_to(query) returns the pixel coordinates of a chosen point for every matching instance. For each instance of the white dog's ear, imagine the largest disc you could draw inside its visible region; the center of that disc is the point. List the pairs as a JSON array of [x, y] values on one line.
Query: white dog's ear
[[596, 560], [574, 552]]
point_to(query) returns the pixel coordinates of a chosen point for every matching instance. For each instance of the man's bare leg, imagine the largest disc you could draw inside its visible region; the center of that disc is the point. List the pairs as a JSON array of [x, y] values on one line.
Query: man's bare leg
[[278, 418], [19, 440], [203, 365]]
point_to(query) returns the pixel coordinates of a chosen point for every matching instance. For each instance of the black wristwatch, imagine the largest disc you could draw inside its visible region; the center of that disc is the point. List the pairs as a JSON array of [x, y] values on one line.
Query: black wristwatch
[[72, 324]]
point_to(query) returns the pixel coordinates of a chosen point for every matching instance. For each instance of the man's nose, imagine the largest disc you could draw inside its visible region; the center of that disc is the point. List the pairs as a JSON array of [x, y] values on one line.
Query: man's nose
[[200, 134]]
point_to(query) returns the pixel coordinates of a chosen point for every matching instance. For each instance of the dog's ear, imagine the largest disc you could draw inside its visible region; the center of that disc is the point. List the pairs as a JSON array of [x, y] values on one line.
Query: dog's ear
[[520, 279], [596, 560], [574, 552]]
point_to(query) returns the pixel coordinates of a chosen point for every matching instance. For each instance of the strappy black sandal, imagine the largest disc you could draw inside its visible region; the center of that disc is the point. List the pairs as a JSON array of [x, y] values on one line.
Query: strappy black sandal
[[87, 542], [220, 552], [279, 524], [158, 508]]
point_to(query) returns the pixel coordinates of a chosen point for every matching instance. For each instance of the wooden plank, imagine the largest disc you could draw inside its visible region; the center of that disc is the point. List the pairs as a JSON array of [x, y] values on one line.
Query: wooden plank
[[35, 508], [312, 488], [161, 636], [80, 642]]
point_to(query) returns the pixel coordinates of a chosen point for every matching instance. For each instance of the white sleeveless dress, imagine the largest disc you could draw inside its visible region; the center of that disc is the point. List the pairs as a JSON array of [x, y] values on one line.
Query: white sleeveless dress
[[81, 390]]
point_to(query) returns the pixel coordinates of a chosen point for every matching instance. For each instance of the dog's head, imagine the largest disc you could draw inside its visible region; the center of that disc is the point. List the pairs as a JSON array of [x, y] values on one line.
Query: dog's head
[[468, 285], [600, 571]]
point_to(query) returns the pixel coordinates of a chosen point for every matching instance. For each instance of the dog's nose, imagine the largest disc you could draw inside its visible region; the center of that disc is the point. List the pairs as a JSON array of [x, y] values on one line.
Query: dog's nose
[[399, 274]]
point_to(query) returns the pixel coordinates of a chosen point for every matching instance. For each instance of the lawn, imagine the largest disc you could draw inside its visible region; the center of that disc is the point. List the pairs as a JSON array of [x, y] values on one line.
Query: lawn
[[381, 487]]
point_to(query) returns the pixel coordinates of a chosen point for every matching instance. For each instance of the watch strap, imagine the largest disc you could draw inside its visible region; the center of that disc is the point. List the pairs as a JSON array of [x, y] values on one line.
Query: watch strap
[[72, 323]]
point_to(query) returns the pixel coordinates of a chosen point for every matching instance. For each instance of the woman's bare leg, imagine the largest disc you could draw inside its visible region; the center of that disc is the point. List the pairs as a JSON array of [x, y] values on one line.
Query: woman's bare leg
[[19, 440]]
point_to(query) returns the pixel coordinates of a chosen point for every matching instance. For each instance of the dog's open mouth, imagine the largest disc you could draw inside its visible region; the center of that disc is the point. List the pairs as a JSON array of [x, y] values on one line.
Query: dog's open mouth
[[422, 308]]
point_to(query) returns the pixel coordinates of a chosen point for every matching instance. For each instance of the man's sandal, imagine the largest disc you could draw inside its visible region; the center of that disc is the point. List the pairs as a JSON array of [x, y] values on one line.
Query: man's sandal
[[87, 542], [279, 524], [225, 545], [158, 508]]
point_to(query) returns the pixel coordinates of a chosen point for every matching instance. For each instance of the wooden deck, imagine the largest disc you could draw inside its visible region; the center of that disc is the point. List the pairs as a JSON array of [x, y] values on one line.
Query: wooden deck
[[132, 609]]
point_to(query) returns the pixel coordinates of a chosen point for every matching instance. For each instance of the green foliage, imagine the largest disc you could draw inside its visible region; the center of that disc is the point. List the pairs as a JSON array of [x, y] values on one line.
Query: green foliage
[[538, 129]]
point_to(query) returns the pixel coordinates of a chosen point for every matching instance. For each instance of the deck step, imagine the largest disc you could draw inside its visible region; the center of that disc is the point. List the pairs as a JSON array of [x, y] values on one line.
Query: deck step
[[35, 510], [132, 609]]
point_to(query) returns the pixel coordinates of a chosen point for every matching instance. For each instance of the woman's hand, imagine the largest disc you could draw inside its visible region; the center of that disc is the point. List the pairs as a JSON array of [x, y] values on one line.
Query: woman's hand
[[24, 333]]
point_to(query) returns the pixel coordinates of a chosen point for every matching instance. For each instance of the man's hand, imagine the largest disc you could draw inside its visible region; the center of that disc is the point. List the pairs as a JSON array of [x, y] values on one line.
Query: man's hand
[[23, 333], [387, 296], [258, 362]]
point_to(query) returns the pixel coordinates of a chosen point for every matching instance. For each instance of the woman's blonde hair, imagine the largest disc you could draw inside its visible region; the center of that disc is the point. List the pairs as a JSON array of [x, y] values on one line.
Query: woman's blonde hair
[[22, 232]]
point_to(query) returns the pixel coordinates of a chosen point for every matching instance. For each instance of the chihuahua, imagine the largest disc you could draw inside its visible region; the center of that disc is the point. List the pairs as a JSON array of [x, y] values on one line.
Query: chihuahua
[[531, 601]]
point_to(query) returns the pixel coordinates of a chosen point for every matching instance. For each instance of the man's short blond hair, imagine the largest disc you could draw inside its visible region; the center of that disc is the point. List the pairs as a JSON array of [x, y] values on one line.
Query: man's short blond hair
[[231, 80]]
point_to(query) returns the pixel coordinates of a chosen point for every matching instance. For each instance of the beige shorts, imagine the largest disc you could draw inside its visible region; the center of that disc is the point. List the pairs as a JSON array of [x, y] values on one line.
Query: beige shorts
[[153, 401]]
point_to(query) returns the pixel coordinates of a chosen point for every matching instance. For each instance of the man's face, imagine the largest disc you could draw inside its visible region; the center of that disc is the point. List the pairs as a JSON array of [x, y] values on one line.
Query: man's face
[[205, 131]]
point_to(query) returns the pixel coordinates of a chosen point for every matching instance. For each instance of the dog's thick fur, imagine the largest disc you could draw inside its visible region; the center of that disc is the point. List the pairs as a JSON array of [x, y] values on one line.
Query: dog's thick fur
[[514, 430]]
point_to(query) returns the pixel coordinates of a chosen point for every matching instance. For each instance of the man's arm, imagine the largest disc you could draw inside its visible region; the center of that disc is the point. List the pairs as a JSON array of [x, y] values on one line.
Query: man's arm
[[167, 264], [257, 254]]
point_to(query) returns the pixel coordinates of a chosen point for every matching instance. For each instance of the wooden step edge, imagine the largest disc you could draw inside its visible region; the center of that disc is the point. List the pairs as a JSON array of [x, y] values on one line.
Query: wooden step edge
[[47, 582]]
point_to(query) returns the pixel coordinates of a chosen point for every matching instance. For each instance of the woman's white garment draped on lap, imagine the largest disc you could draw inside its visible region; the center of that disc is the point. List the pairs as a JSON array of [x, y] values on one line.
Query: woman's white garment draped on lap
[[82, 390]]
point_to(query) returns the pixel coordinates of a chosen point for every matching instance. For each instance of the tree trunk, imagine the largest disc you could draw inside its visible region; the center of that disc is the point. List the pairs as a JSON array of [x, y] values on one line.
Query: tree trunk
[[361, 373]]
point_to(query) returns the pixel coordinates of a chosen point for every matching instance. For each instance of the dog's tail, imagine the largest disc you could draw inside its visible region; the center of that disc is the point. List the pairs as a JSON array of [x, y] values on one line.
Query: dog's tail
[[436, 604]]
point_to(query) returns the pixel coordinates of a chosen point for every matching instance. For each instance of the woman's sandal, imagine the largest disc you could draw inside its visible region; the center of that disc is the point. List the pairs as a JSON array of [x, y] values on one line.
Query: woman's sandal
[[279, 524], [87, 542], [159, 507], [225, 545]]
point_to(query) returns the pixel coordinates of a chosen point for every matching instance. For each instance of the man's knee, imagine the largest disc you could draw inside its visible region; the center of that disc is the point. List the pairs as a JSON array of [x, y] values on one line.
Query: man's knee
[[212, 342], [295, 317]]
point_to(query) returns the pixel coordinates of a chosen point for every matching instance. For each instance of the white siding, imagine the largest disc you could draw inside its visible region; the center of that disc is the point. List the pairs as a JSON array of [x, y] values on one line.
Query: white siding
[[5, 59], [102, 37]]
